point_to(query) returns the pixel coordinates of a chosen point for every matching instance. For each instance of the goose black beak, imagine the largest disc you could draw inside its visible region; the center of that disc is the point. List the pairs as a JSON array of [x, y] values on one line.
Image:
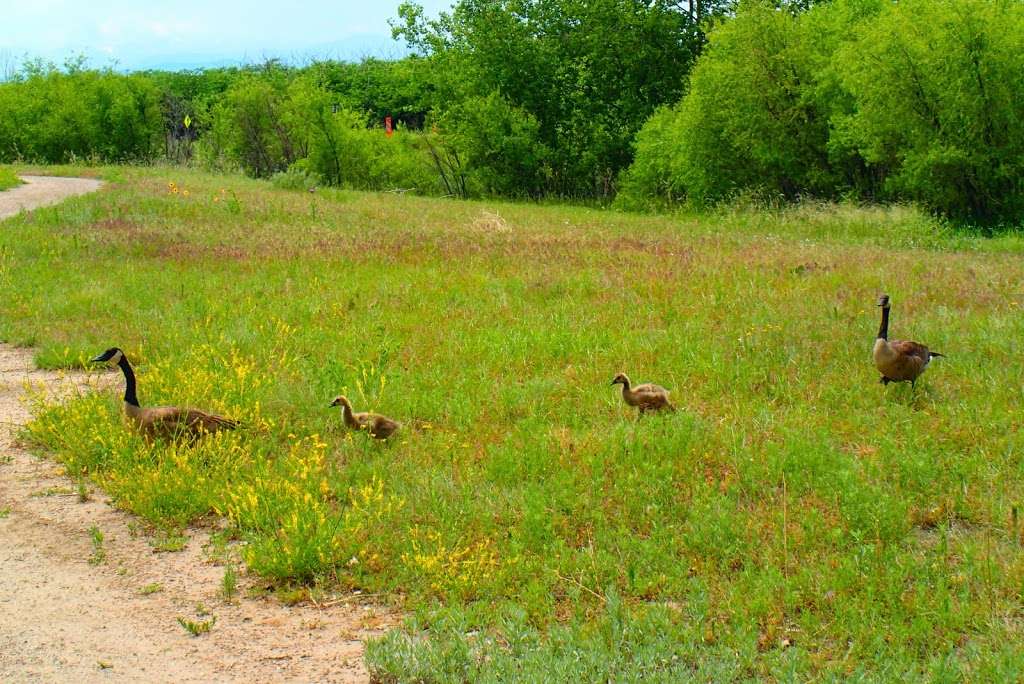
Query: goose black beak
[[97, 359]]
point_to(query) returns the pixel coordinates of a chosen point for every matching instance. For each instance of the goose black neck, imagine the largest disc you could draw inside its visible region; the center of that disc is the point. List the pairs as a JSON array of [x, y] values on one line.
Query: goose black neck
[[129, 382], [883, 330]]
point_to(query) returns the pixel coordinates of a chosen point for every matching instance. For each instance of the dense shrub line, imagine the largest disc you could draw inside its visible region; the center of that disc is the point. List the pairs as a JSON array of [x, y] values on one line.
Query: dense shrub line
[[913, 100], [864, 99]]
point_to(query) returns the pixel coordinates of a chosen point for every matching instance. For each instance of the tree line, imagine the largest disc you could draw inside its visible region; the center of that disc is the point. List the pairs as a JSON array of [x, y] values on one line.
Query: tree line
[[647, 102]]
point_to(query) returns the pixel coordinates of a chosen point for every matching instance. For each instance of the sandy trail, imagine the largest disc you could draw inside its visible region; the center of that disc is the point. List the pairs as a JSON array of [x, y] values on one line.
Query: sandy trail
[[65, 619], [41, 191]]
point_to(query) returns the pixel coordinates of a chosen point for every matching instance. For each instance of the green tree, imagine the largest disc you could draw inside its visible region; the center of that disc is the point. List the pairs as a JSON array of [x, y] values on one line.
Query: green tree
[[252, 125], [499, 145], [937, 90], [589, 73], [52, 115]]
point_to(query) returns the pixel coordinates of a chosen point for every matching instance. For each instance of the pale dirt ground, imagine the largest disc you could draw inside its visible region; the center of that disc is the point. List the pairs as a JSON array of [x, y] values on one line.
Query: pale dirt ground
[[41, 191], [63, 619]]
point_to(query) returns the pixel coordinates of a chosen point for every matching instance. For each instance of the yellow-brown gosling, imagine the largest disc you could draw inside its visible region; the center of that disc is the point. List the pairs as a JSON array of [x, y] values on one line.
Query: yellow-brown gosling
[[898, 360], [169, 422], [646, 397], [379, 427]]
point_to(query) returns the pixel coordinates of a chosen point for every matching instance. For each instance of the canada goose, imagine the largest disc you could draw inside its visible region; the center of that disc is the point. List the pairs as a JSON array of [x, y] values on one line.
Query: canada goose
[[169, 422], [899, 360], [380, 427], [646, 397]]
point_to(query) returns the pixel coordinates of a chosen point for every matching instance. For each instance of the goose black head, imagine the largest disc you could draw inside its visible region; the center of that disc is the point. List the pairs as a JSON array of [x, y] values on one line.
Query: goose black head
[[111, 357], [620, 379], [883, 301]]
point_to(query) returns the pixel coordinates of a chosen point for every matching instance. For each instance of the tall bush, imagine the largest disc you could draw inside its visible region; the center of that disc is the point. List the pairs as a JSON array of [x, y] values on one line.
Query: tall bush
[[937, 87], [53, 115], [916, 100], [252, 126], [500, 146], [343, 151], [753, 119]]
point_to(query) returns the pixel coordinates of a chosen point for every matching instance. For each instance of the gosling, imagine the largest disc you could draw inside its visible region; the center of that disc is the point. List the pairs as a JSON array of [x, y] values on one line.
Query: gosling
[[899, 360], [379, 427], [646, 397], [170, 422]]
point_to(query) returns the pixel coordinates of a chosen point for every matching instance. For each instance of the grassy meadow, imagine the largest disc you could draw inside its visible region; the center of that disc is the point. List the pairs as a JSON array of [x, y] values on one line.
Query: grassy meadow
[[794, 520]]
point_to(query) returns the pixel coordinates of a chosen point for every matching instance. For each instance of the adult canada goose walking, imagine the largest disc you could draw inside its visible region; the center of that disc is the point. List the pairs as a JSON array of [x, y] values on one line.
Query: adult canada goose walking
[[646, 397], [898, 360], [169, 422], [380, 427]]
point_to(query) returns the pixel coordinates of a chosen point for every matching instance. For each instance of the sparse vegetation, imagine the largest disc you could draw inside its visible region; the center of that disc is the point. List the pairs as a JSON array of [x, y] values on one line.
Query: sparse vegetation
[[197, 627], [99, 554], [56, 490], [168, 541], [229, 583], [794, 518], [153, 588]]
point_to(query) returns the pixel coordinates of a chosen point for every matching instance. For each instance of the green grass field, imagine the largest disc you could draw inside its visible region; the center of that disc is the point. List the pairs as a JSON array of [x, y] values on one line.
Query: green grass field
[[7, 179], [794, 520]]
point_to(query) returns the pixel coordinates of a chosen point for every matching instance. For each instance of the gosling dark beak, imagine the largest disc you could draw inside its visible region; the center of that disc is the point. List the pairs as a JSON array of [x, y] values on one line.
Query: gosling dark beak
[[613, 382], [333, 404]]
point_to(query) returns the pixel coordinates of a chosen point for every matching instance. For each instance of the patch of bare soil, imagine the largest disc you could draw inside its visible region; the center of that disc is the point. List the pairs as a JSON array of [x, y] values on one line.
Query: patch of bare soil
[[40, 191]]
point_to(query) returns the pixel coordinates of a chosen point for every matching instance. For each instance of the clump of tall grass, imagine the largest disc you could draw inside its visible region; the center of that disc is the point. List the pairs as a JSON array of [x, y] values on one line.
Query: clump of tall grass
[[8, 179]]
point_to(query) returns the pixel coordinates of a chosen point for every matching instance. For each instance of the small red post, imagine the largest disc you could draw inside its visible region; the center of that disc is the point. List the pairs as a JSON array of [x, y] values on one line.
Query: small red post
[[387, 126]]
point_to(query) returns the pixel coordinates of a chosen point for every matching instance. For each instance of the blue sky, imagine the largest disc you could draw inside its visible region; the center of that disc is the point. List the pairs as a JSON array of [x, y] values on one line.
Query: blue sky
[[188, 33]]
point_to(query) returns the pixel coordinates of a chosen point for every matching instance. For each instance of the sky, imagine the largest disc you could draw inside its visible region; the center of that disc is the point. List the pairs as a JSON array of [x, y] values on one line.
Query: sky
[[134, 34]]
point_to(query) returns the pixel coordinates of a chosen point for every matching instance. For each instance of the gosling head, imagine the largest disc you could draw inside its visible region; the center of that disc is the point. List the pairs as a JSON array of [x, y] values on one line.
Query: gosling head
[[883, 301], [620, 379], [111, 357], [341, 400]]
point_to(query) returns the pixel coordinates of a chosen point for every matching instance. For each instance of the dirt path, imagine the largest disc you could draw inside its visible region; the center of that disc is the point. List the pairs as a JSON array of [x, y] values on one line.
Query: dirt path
[[63, 618], [40, 191]]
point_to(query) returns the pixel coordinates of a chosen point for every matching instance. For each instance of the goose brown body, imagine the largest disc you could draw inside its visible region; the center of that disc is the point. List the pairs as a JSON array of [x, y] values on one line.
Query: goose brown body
[[898, 360], [379, 427], [167, 422], [172, 422], [646, 397]]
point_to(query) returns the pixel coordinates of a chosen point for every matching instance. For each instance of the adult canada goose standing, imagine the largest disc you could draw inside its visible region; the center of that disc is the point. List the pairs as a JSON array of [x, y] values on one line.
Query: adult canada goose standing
[[646, 397], [380, 427], [169, 422], [898, 360]]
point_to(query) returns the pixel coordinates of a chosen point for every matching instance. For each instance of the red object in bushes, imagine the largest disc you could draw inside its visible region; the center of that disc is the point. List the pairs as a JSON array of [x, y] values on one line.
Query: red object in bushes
[[387, 126]]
